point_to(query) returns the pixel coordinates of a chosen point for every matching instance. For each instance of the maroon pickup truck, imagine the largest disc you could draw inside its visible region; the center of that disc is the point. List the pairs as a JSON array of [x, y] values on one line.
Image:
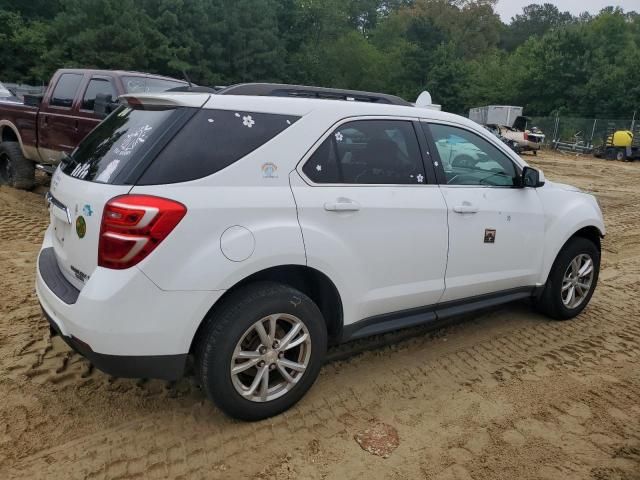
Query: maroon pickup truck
[[40, 131]]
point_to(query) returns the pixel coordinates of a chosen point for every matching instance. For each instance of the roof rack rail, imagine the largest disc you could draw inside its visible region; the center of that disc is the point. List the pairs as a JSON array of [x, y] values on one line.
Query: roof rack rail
[[302, 91]]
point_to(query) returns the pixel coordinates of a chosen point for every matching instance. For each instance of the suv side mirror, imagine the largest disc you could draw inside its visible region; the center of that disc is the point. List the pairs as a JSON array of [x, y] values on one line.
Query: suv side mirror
[[532, 178]]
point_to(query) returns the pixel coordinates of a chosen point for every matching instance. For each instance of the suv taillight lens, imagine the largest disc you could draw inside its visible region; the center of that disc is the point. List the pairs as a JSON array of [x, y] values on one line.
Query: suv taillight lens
[[133, 226]]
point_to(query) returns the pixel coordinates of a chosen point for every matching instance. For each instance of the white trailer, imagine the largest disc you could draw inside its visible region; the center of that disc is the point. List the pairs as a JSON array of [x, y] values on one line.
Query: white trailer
[[503, 115]]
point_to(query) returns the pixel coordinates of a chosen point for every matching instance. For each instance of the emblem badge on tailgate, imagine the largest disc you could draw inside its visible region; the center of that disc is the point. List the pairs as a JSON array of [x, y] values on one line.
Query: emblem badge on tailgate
[[81, 227]]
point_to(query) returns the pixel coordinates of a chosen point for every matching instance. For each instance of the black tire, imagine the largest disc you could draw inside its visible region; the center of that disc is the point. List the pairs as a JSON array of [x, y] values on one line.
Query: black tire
[[621, 155], [225, 328], [550, 302], [16, 170]]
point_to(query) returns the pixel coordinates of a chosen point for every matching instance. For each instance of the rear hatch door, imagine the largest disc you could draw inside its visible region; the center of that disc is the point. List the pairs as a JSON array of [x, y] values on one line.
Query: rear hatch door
[[103, 166], [76, 211]]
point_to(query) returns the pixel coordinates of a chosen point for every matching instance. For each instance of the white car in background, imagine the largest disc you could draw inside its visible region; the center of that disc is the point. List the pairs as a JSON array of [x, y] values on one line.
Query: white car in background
[[7, 96], [249, 230]]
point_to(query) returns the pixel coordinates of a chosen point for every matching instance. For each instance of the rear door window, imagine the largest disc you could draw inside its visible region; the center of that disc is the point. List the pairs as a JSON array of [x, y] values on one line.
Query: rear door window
[[119, 142], [97, 86], [211, 141], [368, 152], [65, 90]]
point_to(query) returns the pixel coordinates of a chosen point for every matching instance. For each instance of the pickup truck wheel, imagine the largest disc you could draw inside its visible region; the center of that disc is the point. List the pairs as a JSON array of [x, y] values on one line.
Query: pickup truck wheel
[[15, 170], [261, 350], [572, 280]]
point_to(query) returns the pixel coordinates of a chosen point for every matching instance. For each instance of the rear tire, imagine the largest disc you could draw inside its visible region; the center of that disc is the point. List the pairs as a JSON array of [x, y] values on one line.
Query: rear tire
[[16, 170], [565, 279], [232, 339], [621, 155]]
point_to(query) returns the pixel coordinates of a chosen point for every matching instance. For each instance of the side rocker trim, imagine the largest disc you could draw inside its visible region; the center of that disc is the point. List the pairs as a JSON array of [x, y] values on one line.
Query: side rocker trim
[[436, 314]]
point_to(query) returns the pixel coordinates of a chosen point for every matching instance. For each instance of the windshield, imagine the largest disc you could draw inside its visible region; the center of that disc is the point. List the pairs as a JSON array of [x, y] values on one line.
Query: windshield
[[123, 137], [137, 84]]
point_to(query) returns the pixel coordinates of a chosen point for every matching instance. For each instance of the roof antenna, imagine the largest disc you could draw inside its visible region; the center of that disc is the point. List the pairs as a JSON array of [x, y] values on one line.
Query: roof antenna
[[186, 77]]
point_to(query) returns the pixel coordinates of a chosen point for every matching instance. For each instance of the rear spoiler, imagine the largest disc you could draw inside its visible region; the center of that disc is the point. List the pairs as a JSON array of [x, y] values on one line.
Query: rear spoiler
[[166, 99]]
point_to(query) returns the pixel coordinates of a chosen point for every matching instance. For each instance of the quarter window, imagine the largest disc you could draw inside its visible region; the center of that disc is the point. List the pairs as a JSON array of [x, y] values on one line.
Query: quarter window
[[368, 152], [213, 140], [97, 86], [468, 159], [65, 90]]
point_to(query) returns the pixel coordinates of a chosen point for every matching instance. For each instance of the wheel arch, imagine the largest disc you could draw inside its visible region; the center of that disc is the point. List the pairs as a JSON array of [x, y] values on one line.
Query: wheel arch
[[313, 283], [9, 133], [590, 232]]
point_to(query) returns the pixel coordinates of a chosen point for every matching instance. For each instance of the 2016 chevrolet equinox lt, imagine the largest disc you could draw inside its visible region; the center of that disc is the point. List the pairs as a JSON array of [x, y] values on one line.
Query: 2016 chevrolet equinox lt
[[250, 231]]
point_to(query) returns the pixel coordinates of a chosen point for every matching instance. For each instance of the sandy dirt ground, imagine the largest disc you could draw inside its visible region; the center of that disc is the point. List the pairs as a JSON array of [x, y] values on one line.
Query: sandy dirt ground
[[503, 395]]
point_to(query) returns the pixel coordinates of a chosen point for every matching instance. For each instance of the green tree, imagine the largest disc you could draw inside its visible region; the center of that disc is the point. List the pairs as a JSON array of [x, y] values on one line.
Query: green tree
[[535, 20]]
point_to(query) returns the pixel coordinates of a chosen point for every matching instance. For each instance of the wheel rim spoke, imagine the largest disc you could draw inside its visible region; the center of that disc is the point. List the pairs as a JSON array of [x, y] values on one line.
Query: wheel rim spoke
[[245, 366], [256, 381], [243, 354], [264, 384], [289, 336], [586, 269], [273, 319], [298, 367], [284, 373], [262, 333], [301, 339]]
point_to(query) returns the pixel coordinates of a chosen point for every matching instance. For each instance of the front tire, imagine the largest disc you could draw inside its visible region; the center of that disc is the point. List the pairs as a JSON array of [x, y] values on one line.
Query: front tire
[[572, 280], [16, 170], [261, 350]]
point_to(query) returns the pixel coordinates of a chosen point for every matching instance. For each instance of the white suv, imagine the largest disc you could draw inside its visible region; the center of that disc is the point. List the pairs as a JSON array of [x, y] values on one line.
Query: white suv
[[250, 231]]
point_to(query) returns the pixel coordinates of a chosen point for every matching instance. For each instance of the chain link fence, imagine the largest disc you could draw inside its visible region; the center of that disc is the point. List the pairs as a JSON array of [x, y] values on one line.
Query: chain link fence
[[577, 133]]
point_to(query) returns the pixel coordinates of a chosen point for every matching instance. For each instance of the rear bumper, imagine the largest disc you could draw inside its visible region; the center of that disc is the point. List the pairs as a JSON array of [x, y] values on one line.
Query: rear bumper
[[166, 367], [120, 320]]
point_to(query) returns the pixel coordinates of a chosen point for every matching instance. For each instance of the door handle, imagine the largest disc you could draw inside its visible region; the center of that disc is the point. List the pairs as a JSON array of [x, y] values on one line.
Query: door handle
[[465, 209], [342, 205]]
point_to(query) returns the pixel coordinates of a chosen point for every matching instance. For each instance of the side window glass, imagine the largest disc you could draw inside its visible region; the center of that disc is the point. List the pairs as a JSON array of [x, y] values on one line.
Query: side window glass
[[97, 86], [468, 159], [213, 140], [65, 90], [368, 152]]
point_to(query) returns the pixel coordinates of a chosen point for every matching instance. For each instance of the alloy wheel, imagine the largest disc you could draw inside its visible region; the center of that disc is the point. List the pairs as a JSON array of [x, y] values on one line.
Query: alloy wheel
[[577, 281], [270, 357]]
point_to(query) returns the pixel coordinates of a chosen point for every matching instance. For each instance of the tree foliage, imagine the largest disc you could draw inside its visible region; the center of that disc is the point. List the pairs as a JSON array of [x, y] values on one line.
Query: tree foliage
[[544, 59]]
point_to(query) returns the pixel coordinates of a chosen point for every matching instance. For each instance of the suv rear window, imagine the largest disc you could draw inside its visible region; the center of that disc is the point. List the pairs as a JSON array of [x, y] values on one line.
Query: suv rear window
[[119, 143], [211, 141]]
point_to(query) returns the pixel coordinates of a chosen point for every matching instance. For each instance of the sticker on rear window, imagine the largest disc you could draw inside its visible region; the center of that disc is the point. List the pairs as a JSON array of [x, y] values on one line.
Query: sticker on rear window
[[80, 171], [136, 137]]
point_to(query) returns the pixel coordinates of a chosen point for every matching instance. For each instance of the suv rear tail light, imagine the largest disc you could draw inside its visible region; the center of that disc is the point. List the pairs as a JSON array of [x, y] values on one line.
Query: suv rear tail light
[[133, 226], [526, 136]]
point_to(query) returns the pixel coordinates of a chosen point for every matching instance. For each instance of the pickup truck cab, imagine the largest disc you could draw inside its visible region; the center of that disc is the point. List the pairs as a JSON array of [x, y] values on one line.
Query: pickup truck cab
[[40, 131]]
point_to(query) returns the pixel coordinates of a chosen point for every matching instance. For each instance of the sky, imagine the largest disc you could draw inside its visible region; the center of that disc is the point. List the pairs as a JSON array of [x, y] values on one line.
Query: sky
[[509, 8]]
